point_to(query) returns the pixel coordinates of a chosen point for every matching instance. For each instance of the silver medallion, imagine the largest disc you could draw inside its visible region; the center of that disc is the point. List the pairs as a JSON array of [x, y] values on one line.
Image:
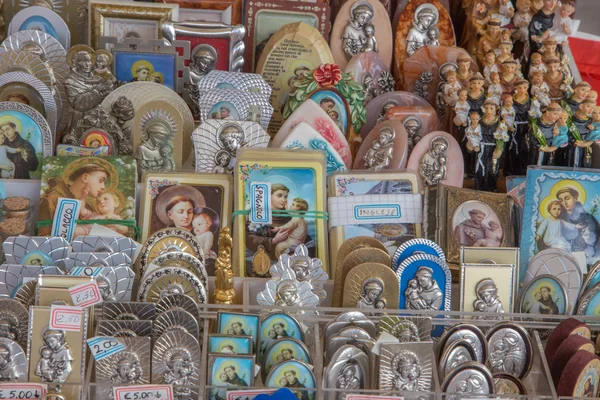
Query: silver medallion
[[354, 336], [13, 361], [487, 299], [287, 292], [217, 143], [36, 251], [175, 320], [96, 260], [170, 280], [423, 291], [235, 105], [359, 33], [128, 310], [469, 333], [183, 260], [349, 370], [176, 361], [12, 276], [510, 350], [413, 129], [455, 354], [506, 384], [407, 329], [380, 154], [433, 166], [104, 244], [14, 321], [124, 328], [178, 301], [470, 378], [114, 283], [423, 31], [351, 318], [55, 364], [406, 367]]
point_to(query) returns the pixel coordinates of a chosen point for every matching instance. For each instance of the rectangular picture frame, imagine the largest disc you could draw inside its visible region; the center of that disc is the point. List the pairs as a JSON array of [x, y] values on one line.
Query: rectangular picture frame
[[486, 288], [228, 11]]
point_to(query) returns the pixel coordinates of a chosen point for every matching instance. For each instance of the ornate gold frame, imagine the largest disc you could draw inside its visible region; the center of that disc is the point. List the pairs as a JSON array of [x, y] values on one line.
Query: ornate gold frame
[[99, 10]]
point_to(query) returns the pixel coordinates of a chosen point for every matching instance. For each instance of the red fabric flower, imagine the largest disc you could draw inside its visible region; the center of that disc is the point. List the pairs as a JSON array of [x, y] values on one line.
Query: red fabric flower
[[327, 74]]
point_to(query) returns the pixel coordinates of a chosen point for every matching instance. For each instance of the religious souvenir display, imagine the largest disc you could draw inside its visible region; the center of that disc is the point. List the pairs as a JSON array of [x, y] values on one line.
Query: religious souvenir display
[[229, 344], [348, 370], [107, 184], [79, 151], [285, 73], [462, 217], [15, 323], [414, 247], [264, 19], [468, 333], [239, 324], [259, 240], [378, 108], [361, 191], [226, 371], [55, 289], [406, 367], [371, 73], [27, 140], [275, 326], [242, 81], [282, 350], [121, 310], [97, 259], [217, 143], [422, 23], [385, 147], [545, 295], [115, 283], [335, 90], [57, 356], [108, 244], [488, 290], [361, 26], [469, 377], [431, 158], [418, 122], [19, 281], [44, 19]]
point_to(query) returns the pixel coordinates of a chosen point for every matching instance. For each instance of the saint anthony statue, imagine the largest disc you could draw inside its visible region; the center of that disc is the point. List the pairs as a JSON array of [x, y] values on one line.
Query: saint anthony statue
[[423, 292], [354, 37], [425, 19], [370, 297], [487, 295], [55, 363], [179, 370], [542, 131], [407, 371]]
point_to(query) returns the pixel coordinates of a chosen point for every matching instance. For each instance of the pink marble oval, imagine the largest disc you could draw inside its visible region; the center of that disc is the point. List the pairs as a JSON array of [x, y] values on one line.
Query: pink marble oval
[[400, 147], [401, 5], [426, 116], [367, 62], [317, 118], [379, 106], [454, 163]]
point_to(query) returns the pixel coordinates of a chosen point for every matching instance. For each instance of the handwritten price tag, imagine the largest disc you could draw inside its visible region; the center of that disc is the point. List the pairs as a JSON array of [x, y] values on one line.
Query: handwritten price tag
[[104, 346], [247, 394], [86, 294], [66, 318], [22, 390], [143, 392]]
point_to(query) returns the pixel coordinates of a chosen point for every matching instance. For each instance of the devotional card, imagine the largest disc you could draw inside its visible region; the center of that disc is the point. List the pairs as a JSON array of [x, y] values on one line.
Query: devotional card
[[280, 203]]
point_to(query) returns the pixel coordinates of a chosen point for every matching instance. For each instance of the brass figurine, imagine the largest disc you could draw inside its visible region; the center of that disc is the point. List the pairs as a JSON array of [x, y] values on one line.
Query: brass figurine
[[224, 291]]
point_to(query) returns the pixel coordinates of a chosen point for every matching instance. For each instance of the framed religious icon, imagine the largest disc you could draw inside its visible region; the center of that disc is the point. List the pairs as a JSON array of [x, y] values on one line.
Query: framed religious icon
[[286, 180], [229, 104], [42, 19], [239, 324], [458, 217], [57, 356], [198, 203], [294, 374], [488, 289], [361, 190], [226, 11], [263, 19], [107, 184], [226, 371], [560, 213], [27, 139], [229, 344], [151, 61], [128, 19], [416, 357], [371, 286]]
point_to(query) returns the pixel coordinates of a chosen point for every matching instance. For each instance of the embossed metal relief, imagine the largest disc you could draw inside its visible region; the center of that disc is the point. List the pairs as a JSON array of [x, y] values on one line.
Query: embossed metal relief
[[55, 364], [175, 361], [423, 31], [359, 33], [380, 154], [433, 167], [406, 367], [13, 361], [510, 350], [487, 298]]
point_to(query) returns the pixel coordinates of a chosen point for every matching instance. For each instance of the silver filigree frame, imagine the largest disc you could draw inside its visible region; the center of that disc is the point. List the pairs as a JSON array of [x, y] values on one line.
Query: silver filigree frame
[[59, 25], [47, 134], [108, 244], [17, 247]]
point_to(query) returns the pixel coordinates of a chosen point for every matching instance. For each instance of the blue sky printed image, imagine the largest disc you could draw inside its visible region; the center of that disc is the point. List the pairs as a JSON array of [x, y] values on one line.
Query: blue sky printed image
[[127, 63]]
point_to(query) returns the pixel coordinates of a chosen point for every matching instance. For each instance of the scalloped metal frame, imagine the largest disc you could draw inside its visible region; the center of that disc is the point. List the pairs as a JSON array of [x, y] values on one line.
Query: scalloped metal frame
[[16, 247], [47, 134]]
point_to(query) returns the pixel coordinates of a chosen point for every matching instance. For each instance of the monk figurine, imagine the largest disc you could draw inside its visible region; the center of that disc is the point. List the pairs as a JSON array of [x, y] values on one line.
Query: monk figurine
[[478, 15], [555, 78], [518, 151], [549, 48], [521, 21], [476, 95], [540, 24], [580, 151], [224, 291], [505, 48], [490, 40], [580, 93], [486, 172], [541, 151], [464, 72], [509, 75]]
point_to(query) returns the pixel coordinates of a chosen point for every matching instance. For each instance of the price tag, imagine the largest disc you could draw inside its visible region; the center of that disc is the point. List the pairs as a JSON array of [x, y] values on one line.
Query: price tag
[[86, 294], [143, 392], [22, 390], [104, 346], [247, 394], [66, 318]]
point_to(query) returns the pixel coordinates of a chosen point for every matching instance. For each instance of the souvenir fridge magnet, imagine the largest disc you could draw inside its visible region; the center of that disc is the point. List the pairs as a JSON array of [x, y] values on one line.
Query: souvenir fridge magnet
[[41, 19], [229, 104], [217, 142], [312, 50], [293, 374], [109, 183], [229, 344], [292, 183], [275, 326], [239, 324], [35, 250], [264, 19], [175, 361], [24, 155], [545, 295], [385, 147], [488, 290], [226, 371], [335, 90], [361, 26], [282, 350], [503, 338], [396, 359]]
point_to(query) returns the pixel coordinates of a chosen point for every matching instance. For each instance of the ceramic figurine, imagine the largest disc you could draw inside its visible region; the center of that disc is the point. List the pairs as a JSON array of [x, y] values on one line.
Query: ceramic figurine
[[561, 133], [555, 78], [562, 26], [505, 51], [495, 89], [464, 72], [517, 152], [537, 64], [509, 75], [549, 48], [592, 95], [580, 93], [489, 66], [541, 22], [491, 148], [473, 132], [490, 40], [542, 152], [521, 21], [580, 152], [540, 89], [224, 291], [461, 109]]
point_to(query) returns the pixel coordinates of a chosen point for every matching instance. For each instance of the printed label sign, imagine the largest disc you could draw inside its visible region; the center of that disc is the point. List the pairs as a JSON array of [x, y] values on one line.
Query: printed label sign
[[260, 203], [22, 390], [67, 212], [104, 346]]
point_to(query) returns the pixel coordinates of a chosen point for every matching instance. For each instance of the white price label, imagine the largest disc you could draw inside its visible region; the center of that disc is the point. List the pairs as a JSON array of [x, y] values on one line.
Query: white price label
[[247, 394], [143, 392], [65, 318], [104, 346], [22, 390], [86, 294]]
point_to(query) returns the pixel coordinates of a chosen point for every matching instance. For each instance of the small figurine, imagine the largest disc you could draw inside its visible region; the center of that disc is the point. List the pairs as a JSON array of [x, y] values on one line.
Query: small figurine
[[518, 150], [562, 26], [476, 96], [507, 112], [594, 127], [540, 89], [592, 95], [549, 48], [224, 291], [541, 22], [489, 66], [473, 132], [542, 152], [451, 89], [555, 79], [486, 173], [495, 90], [507, 11], [561, 131], [490, 40], [509, 75], [537, 64], [521, 21], [535, 111], [506, 52], [461, 109], [580, 154], [580, 93], [464, 72]]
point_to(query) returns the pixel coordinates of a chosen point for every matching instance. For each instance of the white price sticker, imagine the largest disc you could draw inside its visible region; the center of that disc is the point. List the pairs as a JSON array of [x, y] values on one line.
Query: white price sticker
[[86, 294], [66, 318], [22, 390], [104, 346], [247, 394], [143, 392]]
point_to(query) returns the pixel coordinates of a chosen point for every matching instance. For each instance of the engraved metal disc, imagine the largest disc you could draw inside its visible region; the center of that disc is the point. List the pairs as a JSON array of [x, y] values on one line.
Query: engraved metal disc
[[471, 378], [510, 350], [124, 328], [506, 384], [104, 244], [407, 329], [469, 333], [14, 321], [12, 275], [121, 310], [17, 247], [18, 60], [166, 240], [455, 354], [168, 280], [348, 360], [16, 368], [178, 301], [184, 348], [175, 320], [406, 367], [183, 260]]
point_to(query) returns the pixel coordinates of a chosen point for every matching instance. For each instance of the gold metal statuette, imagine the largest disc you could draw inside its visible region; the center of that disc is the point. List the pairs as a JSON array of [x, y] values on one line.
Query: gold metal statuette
[[224, 291]]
